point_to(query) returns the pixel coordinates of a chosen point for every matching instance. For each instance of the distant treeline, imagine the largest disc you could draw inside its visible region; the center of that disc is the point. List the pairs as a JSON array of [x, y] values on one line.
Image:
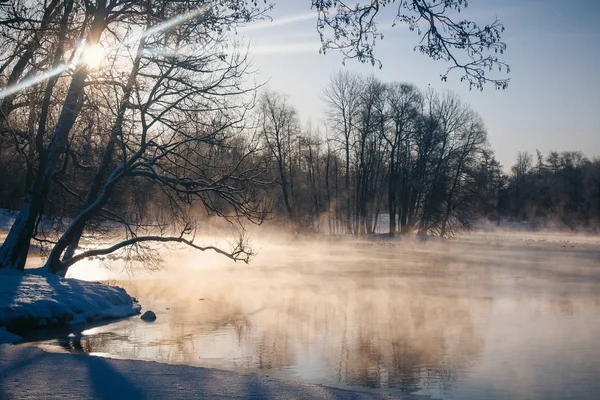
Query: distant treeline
[[420, 157], [561, 188]]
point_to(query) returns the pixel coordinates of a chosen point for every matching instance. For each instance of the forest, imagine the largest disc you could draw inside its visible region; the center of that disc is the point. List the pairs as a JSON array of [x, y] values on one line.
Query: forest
[[420, 157], [165, 131]]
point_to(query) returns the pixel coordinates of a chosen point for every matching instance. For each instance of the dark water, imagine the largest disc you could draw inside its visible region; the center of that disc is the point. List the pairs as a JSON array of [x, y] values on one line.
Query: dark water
[[487, 317]]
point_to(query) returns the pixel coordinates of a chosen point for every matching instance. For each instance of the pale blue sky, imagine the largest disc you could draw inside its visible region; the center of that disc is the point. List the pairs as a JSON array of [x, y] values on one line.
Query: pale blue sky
[[553, 100]]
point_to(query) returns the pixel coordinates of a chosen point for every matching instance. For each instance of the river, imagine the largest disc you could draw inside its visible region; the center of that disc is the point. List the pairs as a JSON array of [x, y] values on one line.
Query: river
[[498, 315]]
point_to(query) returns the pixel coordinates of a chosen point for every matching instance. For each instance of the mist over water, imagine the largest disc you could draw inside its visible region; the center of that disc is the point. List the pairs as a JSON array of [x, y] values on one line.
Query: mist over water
[[489, 315]]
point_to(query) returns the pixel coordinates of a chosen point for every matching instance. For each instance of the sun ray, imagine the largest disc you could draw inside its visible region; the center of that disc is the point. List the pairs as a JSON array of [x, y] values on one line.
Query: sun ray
[[177, 20], [94, 57], [34, 80], [292, 19]]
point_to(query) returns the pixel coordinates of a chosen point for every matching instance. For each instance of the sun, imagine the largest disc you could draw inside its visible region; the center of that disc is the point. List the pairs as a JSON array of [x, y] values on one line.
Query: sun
[[93, 56]]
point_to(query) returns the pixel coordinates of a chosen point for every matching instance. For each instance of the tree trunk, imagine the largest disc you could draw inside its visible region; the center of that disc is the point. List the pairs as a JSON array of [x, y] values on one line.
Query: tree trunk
[[284, 189], [103, 167], [392, 194], [451, 192], [347, 194], [14, 250], [328, 192]]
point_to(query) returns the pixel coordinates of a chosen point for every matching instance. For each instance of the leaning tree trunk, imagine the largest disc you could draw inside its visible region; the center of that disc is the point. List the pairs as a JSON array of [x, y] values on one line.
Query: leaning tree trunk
[[71, 242], [14, 250], [103, 167], [54, 263]]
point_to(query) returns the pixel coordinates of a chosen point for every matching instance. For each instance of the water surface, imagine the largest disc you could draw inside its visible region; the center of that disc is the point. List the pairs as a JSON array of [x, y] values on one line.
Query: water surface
[[495, 316]]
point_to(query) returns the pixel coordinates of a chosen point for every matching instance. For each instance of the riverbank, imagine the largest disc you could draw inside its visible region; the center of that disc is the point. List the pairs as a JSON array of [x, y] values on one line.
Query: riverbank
[[30, 373], [35, 299]]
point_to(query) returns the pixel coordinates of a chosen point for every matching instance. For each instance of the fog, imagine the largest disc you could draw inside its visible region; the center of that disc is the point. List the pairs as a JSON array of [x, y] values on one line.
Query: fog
[[503, 313]]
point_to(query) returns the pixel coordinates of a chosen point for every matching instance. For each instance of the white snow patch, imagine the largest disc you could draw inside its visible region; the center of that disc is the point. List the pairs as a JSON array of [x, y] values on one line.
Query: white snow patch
[[36, 299], [7, 218], [29, 373]]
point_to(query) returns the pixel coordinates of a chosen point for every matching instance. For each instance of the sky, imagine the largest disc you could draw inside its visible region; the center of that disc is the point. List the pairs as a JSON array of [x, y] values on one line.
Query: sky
[[553, 49]]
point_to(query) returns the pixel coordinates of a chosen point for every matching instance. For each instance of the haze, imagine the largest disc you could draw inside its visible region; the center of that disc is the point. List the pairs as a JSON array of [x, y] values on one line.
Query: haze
[[489, 315]]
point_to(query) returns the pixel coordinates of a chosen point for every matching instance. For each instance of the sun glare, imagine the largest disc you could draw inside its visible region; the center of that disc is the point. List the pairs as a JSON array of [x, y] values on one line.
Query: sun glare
[[88, 270], [93, 56]]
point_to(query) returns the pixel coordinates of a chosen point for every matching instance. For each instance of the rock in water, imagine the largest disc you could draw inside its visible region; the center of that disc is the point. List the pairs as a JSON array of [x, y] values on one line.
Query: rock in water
[[149, 316]]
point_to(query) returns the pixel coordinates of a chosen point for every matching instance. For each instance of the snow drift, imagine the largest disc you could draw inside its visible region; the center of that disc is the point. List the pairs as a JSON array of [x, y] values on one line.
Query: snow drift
[[36, 299]]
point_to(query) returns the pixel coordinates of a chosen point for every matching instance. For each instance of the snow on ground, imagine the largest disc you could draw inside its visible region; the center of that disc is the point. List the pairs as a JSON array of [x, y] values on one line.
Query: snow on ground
[[7, 337], [30, 373], [36, 299], [7, 218]]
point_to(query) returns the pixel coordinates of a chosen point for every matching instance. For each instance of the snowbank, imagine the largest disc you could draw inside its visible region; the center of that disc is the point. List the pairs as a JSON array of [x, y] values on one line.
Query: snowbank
[[30, 373], [7, 337], [7, 218], [36, 299]]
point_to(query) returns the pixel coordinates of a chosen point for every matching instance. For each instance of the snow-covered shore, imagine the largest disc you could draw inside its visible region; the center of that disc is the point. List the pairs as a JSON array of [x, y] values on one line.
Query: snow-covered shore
[[30, 373], [35, 299]]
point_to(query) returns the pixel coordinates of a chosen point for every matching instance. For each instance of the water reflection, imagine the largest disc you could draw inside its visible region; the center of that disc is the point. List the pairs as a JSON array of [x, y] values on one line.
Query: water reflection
[[484, 317]]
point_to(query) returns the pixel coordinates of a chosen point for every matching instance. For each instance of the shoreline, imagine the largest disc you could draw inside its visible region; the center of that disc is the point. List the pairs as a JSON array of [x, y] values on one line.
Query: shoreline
[[29, 372], [33, 299]]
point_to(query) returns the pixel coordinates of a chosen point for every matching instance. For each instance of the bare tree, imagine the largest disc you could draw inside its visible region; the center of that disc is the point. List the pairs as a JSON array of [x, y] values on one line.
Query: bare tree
[[419, 149], [404, 107], [145, 107], [371, 123], [450, 115], [280, 129], [15, 248], [185, 109], [470, 142], [24, 27], [342, 96]]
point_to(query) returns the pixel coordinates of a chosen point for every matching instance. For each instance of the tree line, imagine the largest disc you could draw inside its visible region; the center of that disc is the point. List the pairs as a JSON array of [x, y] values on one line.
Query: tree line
[[419, 159], [561, 189], [390, 149]]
